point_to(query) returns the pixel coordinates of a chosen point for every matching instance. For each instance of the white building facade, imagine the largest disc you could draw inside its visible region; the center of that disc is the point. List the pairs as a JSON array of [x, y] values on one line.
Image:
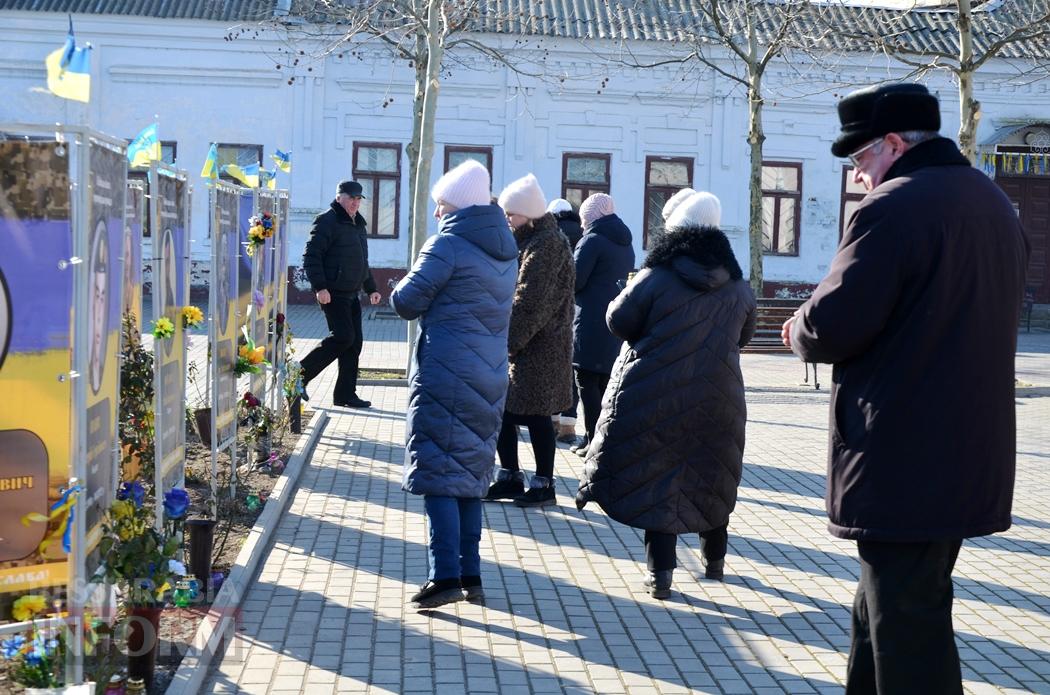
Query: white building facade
[[589, 125]]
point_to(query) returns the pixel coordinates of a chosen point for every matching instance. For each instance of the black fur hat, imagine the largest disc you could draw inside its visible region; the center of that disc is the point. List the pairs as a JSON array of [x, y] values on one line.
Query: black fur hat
[[891, 108]]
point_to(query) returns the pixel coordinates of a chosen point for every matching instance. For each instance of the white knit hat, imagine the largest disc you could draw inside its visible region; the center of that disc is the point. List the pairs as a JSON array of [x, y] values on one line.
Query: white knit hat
[[674, 201], [466, 185], [597, 206], [559, 205], [524, 197], [701, 209]]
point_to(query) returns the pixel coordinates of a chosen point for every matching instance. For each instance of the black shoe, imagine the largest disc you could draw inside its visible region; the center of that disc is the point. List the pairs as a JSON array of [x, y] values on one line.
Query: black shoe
[[509, 485], [715, 569], [304, 395], [472, 588], [659, 584], [437, 593], [539, 494], [353, 402]]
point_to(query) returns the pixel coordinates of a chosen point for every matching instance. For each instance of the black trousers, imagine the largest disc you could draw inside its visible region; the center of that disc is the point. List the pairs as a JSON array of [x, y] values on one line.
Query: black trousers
[[541, 432], [903, 641], [660, 548], [591, 386], [343, 344]]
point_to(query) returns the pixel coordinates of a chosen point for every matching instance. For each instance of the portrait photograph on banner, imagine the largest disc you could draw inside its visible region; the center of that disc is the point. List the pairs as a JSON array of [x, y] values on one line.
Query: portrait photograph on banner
[[105, 282], [170, 246], [225, 246], [245, 212], [134, 216], [36, 293]]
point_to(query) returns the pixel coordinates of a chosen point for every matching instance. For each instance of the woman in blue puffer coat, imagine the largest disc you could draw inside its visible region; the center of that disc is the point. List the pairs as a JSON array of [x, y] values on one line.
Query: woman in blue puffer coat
[[460, 288]]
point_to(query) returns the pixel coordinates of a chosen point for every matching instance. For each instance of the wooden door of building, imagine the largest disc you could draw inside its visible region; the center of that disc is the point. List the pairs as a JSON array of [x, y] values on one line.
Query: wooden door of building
[[1031, 197]]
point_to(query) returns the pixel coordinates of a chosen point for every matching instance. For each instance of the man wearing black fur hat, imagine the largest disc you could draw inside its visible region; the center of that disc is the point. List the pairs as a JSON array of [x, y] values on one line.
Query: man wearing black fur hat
[[919, 315], [336, 263]]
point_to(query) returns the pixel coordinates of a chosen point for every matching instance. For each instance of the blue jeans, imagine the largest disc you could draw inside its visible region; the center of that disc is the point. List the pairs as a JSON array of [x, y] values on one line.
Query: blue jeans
[[455, 534]]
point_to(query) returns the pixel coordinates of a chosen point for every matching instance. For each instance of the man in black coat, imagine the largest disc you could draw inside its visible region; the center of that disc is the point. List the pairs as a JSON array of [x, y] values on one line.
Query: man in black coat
[[336, 263], [919, 315]]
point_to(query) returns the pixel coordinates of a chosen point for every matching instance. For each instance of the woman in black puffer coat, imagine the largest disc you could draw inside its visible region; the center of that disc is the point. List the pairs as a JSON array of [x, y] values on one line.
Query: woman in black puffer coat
[[669, 445]]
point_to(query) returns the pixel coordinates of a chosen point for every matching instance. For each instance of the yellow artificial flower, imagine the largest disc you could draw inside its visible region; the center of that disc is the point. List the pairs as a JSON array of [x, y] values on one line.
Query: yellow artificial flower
[[257, 232], [122, 509], [163, 328], [28, 606], [257, 355], [243, 352], [192, 315]]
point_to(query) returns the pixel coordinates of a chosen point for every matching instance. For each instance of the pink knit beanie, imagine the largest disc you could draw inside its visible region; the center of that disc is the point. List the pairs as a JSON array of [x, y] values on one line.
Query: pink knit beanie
[[596, 207], [463, 186]]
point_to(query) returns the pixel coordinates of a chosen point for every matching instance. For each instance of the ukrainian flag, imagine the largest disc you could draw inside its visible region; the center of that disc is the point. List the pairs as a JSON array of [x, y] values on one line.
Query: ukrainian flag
[[248, 175], [283, 160], [145, 148], [269, 178], [211, 169], [69, 70]]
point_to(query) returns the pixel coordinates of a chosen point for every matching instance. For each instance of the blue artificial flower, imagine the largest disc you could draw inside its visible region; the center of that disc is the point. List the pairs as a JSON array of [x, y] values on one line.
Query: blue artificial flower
[[147, 584], [176, 503], [10, 648], [133, 491]]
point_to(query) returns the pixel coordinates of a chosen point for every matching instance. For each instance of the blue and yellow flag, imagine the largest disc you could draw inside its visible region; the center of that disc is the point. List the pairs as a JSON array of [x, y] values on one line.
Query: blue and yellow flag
[[248, 175], [145, 148], [283, 160], [69, 70], [210, 170], [269, 178]]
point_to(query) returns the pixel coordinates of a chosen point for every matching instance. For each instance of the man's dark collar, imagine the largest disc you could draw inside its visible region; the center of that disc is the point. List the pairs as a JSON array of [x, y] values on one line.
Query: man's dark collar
[[936, 152], [343, 215]]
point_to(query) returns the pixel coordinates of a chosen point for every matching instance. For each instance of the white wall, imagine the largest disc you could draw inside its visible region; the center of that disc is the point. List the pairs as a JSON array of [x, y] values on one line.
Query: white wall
[[203, 89]]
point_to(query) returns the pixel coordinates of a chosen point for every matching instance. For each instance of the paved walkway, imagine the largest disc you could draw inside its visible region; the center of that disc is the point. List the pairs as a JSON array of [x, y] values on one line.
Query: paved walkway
[[564, 613]]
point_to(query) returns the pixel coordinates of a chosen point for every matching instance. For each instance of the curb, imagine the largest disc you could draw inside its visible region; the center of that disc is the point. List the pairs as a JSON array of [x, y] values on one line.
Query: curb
[[383, 382], [220, 624], [1032, 391]]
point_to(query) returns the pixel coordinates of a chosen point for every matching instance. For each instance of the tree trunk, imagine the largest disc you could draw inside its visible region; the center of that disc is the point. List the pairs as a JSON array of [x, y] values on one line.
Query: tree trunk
[[968, 106], [755, 138], [420, 69], [435, 54]]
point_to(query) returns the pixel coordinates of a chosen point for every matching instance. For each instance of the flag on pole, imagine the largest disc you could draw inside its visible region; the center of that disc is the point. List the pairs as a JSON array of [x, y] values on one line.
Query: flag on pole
[[283, 161], [69, 70], [145, 148], [248, 175], [210, 170], [269, 178]]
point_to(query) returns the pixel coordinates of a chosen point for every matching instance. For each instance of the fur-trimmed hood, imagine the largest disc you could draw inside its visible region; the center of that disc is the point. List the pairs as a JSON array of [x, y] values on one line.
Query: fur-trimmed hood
[[701, 256]]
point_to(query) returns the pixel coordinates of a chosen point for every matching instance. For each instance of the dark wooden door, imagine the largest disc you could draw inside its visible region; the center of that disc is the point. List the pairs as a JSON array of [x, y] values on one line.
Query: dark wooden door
[[1031, 197]]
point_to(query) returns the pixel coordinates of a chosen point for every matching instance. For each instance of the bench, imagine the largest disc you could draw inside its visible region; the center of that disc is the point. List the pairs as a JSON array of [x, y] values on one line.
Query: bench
[[770, 316]]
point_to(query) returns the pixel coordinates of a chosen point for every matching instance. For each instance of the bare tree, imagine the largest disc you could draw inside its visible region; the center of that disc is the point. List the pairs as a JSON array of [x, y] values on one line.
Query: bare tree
[[959, 37], [738, 40]]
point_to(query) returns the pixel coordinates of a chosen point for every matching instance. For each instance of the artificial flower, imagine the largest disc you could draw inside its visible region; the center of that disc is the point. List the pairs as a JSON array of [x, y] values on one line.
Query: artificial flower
[[163, 328], [10, 648], [192, 316], [176, 567], [28, 606], [132, 491], [258, 299], [176, 503]]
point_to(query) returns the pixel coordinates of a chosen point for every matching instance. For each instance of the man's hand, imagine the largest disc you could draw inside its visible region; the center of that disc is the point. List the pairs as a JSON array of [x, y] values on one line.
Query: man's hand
[[323, 297], [785, 331], [375, 298]]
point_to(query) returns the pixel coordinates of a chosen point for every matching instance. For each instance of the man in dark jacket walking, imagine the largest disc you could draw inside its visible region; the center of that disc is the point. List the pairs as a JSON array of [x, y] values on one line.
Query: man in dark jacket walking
[[919, 315], [336, 263]]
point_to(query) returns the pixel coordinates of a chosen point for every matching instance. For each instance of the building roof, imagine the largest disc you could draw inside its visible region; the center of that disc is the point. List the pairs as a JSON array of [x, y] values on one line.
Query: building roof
[[645, 20], [218, 10]]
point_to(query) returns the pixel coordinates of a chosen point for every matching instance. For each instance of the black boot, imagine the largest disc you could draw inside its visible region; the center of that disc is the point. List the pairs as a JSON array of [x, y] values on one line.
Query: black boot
[[472, 588], [508, 485], [659, 584], [715, 569], [539, 494], [437, 593]]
